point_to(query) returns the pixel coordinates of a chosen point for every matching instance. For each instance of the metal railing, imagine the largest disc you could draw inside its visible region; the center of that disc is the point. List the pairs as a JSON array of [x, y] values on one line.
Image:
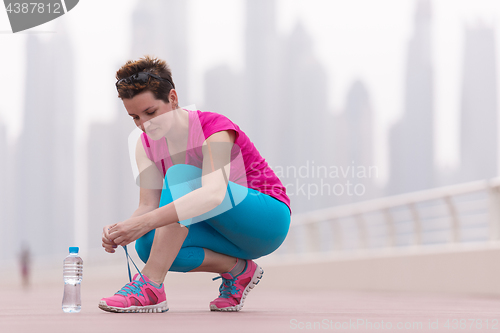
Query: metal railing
[[452, 217]]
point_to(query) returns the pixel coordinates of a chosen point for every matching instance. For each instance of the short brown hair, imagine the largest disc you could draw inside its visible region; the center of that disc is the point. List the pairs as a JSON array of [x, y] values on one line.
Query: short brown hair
[[159, 88]]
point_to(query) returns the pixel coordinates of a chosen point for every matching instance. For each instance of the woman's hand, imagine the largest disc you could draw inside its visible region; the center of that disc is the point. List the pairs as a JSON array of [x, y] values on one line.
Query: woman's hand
[[126, 232], [108, 245]]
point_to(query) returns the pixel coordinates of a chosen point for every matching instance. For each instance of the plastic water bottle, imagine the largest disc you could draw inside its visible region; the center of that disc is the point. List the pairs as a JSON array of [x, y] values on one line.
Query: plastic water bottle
[[72, 273]]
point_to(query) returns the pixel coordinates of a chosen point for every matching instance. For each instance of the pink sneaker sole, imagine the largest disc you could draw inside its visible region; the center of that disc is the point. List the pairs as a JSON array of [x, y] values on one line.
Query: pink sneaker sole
[[255, 280], [158, 308]]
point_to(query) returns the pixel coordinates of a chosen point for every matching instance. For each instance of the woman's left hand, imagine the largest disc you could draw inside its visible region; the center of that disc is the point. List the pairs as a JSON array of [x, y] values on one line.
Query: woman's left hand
[[126, 232]]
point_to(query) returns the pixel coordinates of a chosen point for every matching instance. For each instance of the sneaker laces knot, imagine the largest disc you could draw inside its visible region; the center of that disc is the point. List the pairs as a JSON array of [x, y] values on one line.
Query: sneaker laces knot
[[227, 287], [133, 288]]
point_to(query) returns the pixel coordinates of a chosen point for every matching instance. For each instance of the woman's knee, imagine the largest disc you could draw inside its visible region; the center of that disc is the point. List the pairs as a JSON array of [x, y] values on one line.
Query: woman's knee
[[188, 259], [181, 179]]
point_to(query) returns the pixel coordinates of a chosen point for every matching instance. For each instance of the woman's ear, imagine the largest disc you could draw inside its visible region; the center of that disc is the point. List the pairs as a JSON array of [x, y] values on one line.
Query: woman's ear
[[172, 97]]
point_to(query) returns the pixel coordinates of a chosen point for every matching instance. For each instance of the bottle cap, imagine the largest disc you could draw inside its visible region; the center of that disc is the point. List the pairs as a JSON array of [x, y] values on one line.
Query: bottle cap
[[73, 249]]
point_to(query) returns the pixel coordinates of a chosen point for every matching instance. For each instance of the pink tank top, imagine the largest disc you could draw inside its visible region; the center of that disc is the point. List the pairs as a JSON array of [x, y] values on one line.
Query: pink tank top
[[248, 167]]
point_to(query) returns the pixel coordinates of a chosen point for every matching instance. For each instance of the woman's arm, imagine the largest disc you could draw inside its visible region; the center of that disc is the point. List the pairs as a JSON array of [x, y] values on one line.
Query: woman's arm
[[215, 176], [149, 200]]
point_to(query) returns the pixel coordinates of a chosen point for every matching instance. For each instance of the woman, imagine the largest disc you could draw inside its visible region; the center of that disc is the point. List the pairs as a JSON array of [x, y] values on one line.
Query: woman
[[208, 201]]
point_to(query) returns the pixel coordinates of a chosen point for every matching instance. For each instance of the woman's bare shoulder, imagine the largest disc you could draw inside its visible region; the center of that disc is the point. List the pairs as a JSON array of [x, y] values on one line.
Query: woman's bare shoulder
[[141, 156], [150, 179]]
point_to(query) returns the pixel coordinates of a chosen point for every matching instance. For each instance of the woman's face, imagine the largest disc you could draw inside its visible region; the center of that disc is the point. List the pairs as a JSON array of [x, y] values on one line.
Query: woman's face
[[151, 115]]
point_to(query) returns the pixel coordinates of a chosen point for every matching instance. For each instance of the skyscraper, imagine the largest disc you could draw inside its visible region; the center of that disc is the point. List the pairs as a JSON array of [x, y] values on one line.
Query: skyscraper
[[4, 221], [360, 141], [261, 74], [479, 106], [412, 138], [286, 97], [44, 179], [360, 117], [224, 94], [159, 28]]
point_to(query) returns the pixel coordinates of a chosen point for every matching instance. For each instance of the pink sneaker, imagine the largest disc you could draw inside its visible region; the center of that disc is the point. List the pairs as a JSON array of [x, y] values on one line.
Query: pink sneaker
[[234, 290], [137, 296]]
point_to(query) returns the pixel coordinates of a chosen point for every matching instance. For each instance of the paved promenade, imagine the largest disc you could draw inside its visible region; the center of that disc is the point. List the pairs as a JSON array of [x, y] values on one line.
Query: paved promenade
[[267, 309]]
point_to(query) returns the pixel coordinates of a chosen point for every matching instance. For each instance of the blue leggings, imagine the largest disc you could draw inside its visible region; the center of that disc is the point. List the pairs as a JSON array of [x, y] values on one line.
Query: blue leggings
[[248, 224]]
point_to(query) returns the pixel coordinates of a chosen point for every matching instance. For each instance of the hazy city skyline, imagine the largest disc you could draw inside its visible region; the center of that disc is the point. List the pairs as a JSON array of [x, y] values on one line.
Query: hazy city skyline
[[280, 97], [327, 22]]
